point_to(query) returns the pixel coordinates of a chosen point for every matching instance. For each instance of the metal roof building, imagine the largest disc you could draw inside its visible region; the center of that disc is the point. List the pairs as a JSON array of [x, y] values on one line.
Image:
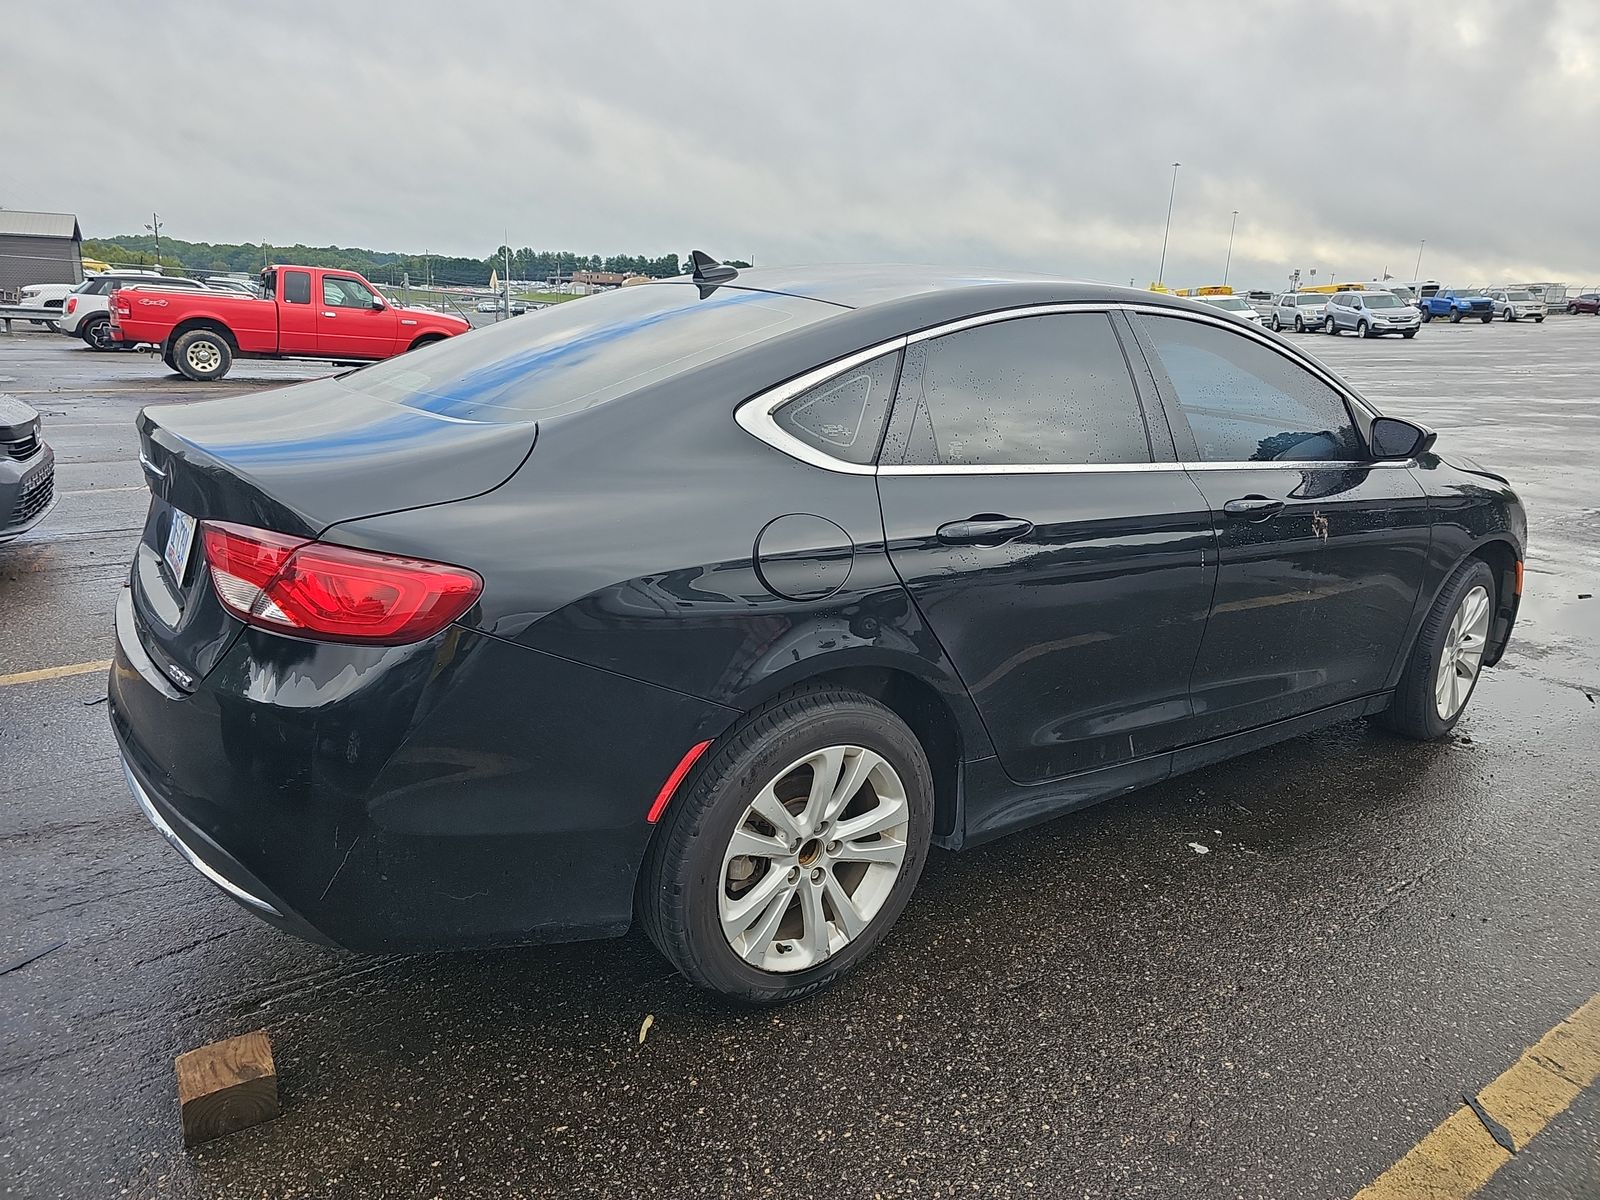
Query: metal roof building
[[38, 247]]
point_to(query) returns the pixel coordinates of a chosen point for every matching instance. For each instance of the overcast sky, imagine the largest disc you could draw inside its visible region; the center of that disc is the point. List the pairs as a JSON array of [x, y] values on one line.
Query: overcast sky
[[996, 134]]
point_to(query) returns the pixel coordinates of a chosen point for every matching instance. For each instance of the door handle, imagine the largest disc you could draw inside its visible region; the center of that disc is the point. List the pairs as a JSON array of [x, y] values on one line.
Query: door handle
[[329, 314], [985, 529], [1253, 508]]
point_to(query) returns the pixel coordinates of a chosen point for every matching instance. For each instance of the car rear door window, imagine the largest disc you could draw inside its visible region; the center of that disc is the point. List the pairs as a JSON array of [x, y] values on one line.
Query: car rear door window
[[844, 416], [1246, 402], [297, 287], [1045, 390]]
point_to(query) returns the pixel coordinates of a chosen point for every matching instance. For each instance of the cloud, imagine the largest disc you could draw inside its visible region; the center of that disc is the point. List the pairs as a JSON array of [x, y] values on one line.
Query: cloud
[[1007, 134]]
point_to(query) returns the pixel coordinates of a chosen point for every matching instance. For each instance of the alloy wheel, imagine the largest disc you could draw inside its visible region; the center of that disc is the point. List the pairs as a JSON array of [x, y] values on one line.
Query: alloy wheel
[[203, 357], [1462, 654], [813, 858], [99, 335]]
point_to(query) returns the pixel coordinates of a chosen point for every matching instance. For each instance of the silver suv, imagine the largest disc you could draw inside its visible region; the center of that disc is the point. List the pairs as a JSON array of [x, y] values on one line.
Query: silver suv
[[1299, 311], [1370, 314], [1515, 303]]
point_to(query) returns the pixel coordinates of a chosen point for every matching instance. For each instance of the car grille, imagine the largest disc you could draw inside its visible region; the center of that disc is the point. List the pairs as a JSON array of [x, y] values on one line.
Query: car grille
[[35, 498], [23, 448]]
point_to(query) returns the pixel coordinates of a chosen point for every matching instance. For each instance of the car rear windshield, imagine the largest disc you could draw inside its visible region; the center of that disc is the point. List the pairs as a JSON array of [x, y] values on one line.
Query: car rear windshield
[[582, 353], [1381, 300]]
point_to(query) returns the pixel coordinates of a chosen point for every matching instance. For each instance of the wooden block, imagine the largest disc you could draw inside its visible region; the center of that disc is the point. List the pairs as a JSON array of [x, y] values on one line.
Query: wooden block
[[226, 1086]]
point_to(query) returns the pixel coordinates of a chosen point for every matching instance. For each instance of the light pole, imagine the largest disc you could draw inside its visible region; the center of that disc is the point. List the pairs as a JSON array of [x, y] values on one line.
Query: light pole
[[1161, 272], [1229, 261], [1417, 272], [155, 228]]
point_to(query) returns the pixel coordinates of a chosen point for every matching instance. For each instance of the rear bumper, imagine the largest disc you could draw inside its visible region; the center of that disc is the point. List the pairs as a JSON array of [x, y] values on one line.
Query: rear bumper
[[459, 792]]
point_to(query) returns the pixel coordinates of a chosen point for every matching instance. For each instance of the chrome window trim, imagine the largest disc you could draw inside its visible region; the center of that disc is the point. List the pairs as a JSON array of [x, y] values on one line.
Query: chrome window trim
[[754, 416]]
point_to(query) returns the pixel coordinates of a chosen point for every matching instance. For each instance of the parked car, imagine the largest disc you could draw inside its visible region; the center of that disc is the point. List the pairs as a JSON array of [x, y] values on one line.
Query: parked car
[[718, 600], [1234, 306], [1299, 311], [201, 332], [1262, 302], [87, 312], [1515, 304], [488, 306], [1584, 302], [223, 283], [27, 469], [1370, 314], [1456, 303]]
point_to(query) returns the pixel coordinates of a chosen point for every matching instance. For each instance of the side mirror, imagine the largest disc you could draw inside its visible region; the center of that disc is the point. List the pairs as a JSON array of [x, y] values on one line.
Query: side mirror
[[378, 304], [1394, 439]]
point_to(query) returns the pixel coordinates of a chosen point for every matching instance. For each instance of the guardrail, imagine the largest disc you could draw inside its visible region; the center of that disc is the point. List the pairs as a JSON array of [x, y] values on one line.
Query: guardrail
[[15, 312]]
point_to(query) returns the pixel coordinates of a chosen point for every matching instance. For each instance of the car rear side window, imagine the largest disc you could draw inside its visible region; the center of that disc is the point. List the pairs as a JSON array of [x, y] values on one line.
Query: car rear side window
[[297, 287], [844, 416], [573, 356], [1248, 403], [1048, 390]]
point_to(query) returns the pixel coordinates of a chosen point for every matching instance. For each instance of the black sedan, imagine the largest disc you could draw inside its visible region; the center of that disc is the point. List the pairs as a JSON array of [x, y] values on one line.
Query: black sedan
[[718, 601]]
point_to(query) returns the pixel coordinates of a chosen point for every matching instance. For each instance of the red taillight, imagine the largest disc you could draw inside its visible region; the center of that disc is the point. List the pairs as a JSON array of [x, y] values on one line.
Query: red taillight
[[316, 590], [72, 305], [120, 305]]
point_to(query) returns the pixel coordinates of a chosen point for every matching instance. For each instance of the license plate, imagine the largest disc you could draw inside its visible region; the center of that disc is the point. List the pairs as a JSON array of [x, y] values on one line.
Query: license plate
[[180, 540]]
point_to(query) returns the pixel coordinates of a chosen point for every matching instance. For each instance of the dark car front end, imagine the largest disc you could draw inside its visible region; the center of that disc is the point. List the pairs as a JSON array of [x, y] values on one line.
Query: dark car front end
[[27, 469]]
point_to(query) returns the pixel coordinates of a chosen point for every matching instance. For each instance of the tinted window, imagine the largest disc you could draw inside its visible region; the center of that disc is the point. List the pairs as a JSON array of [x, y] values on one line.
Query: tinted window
[[571, 356], [1046, 390], [1247, 403], [297, 287], [843, 417], [340, 292]]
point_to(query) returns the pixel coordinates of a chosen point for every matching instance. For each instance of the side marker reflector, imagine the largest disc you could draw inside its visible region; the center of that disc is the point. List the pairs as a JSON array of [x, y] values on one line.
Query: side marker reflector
[[1519, 577], [664, 796]]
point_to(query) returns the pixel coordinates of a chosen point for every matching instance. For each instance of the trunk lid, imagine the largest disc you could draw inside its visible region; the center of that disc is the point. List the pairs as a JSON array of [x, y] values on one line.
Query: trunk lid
[[296, 461]]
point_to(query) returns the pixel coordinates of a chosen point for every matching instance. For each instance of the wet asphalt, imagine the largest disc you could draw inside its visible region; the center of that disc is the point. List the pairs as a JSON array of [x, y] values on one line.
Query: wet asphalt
[[1090, 1009]]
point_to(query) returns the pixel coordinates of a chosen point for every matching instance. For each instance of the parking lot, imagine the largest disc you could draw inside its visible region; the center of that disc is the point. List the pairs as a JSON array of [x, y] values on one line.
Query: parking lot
[[1092, 1009]]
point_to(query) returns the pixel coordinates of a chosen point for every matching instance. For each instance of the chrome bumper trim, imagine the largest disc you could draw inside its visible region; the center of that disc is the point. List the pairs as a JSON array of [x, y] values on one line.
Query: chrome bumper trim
[[182, 847]]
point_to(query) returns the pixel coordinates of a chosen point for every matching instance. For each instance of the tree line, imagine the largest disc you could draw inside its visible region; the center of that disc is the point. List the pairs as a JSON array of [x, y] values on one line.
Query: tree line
[[377, 265]]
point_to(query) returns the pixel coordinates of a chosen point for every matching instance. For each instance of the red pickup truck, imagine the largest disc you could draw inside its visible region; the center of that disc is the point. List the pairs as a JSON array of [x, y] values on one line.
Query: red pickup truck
[[308, 312]]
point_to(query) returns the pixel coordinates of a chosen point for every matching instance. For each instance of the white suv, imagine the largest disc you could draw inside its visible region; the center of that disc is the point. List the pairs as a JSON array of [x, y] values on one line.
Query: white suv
[[87, 311], [1515, 303]]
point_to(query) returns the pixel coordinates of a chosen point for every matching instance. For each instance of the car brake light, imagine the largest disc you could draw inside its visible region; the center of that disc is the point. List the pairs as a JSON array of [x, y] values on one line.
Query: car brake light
[[120, 305], [72, 305], [333, 593]]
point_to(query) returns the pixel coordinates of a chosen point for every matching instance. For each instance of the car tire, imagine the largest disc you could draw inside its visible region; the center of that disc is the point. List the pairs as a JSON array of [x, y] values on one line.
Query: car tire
[[1408, 333], [1273, 324], [1457, 626], [96, 334], [1510, 316], [1486, 318], [1538, 320], [1363, 329], [1427, 315], [693, 880], [202, 354], [1455, 316]]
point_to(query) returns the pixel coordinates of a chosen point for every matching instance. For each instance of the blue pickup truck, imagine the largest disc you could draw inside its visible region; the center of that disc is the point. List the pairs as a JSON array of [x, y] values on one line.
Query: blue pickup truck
[[1456, 303]]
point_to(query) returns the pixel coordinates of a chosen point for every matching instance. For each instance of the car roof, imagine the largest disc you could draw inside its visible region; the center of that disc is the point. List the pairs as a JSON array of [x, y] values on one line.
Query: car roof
[[866, 286]]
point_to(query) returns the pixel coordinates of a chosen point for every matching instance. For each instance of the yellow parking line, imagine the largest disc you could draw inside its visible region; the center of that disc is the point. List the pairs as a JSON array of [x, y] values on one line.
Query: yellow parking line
[[1460, 1155], [43, 673]]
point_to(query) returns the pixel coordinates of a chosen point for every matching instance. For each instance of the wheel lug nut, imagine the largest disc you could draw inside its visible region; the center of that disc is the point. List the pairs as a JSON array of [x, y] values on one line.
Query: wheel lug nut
[[833, 847], [794, 874], [816, 875]]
